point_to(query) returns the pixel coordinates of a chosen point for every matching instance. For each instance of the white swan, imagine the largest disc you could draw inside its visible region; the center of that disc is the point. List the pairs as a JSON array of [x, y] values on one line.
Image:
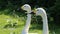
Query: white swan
[[27, 8], [42, 13]]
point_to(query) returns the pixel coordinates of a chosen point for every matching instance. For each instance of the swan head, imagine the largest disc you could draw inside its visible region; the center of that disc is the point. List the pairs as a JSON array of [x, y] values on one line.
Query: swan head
[[40, 11], [26, 7]]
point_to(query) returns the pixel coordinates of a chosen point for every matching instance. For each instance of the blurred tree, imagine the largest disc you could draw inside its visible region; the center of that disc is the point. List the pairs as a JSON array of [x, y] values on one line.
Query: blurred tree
[[55, 12], [12, 5]]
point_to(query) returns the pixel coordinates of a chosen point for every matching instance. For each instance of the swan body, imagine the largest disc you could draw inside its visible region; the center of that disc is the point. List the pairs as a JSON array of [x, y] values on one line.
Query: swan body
[[42, 13]]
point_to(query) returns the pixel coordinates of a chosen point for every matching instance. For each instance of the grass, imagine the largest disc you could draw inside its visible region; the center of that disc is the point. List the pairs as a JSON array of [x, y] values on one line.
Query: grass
[[3, 22], [20, 22]]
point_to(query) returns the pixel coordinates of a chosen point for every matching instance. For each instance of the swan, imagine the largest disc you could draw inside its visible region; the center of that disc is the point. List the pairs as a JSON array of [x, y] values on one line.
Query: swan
[[41, 12], [27, 8]]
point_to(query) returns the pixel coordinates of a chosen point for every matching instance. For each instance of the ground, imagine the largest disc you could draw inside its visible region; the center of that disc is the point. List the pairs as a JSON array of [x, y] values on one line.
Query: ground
[[7, 25]]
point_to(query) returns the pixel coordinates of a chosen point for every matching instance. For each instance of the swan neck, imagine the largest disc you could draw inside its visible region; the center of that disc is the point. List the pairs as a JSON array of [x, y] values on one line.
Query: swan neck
[[28, 21], [45, 25]]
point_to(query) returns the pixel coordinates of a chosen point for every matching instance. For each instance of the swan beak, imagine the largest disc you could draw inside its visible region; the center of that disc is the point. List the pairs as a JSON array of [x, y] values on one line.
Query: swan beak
[[35, 11]]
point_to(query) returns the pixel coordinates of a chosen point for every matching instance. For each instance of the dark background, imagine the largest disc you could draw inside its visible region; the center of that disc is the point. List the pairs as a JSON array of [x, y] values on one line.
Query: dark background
[[52, 8]]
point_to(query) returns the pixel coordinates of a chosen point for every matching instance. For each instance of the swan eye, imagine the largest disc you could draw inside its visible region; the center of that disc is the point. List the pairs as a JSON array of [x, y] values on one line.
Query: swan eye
[[37, 10], [25, 6]]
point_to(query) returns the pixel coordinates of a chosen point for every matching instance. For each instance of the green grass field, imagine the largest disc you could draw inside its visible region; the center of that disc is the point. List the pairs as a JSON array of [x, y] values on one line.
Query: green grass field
[[20, 24]]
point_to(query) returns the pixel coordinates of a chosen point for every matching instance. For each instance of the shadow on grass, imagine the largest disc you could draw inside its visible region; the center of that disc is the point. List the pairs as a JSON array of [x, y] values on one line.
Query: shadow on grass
[[36, 27], [36, 23], [54, 29]]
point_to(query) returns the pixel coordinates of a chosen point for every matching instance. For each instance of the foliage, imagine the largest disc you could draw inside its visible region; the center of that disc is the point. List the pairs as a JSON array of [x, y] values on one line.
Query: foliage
[[55, 12], [52, 7]]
